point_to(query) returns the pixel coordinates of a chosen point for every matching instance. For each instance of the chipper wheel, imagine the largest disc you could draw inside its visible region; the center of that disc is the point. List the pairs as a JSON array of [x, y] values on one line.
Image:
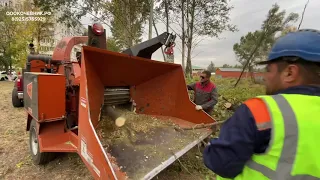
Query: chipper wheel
[[37, 156], [16, 102]]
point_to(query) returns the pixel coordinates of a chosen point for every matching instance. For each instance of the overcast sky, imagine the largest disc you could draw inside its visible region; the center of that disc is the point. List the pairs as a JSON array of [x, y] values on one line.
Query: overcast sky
[[247, 15]]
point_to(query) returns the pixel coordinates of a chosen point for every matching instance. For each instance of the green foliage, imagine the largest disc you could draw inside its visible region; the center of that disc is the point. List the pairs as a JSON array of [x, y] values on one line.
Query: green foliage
[[259, 42], [127, 18], [246, 89], [211, 67], [237, 66], [246, 45], [226, 66], [112, 45], [40, 30], [287, 30], [13, 40], [231, 66], [70, 11]]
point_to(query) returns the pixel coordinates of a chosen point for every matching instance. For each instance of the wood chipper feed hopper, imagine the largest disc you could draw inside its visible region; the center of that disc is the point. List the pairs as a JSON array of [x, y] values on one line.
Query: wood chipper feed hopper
[[149, 141]]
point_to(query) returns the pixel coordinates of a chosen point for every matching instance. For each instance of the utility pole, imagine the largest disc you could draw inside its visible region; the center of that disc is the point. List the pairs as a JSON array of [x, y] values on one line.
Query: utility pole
[[151, 19]]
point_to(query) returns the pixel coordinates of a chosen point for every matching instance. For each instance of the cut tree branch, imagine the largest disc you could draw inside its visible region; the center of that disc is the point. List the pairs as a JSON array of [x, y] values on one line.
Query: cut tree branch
[[262, 36], [200, 126]]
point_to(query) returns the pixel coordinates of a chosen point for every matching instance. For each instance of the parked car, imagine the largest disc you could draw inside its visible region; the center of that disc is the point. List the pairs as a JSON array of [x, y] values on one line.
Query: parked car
[[3, 76], [13, 76], [17, 92]]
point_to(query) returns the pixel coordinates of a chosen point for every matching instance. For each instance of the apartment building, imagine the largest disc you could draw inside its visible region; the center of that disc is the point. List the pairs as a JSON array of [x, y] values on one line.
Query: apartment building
[[7, 3], [52, 33], [58, 32]]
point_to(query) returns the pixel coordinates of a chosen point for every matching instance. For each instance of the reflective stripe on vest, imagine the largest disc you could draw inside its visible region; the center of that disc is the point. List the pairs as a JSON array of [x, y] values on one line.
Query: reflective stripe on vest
[[285, 130]]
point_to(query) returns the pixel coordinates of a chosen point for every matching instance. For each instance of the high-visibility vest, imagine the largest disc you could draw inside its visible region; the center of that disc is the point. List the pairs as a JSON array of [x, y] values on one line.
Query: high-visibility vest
[[294, 149]]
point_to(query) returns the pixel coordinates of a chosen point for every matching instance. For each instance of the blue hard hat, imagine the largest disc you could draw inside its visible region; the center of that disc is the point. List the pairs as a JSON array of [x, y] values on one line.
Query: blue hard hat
[[304, 44]]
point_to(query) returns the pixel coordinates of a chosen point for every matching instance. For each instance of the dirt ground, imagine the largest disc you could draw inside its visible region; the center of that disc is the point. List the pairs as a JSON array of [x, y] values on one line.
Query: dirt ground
[[16, 162]]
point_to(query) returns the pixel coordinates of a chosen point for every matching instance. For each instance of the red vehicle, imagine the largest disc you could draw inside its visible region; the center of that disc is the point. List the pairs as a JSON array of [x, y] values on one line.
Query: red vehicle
[[17, 92], [64, 101]]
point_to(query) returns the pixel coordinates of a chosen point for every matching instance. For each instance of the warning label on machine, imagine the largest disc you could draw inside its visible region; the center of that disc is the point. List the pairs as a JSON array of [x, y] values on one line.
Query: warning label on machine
[[29, 90], [83, 102], [88, 157]]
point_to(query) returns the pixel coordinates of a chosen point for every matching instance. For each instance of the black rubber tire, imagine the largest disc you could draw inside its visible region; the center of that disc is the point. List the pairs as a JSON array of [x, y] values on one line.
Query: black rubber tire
[[38, 158], [16, 102]]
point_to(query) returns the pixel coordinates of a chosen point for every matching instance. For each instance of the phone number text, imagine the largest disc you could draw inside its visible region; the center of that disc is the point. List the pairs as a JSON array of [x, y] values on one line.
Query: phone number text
[[28, 19]]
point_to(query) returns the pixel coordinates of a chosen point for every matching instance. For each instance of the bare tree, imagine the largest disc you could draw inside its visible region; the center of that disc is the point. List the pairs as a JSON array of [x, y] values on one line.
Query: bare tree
[[199, 18]]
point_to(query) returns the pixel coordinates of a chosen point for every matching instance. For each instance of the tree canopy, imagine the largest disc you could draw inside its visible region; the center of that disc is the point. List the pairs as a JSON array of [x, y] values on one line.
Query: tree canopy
[[14, 39], [124, 18], [211, 67], [17, 35], [254, 46]]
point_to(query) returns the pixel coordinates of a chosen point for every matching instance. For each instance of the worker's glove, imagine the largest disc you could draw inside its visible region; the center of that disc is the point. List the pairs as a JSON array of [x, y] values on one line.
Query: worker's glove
[[198, 107]]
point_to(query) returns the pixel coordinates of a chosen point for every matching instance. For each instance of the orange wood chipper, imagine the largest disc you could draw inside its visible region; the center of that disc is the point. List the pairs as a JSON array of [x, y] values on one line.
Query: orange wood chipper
[[66, 102]]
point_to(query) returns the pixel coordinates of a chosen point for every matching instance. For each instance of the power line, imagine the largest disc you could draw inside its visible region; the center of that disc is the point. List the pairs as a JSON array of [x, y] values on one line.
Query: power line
[[304, 9]]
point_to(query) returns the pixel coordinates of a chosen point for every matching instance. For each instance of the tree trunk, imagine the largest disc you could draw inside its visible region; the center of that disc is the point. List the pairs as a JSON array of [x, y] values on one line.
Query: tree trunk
[[190, 36], [131, 43], [151, 19], [183, 34], [167, 14], [38, 40], [169, 58], [6, 65], [155, 28], [251, 71], [10, 65]]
